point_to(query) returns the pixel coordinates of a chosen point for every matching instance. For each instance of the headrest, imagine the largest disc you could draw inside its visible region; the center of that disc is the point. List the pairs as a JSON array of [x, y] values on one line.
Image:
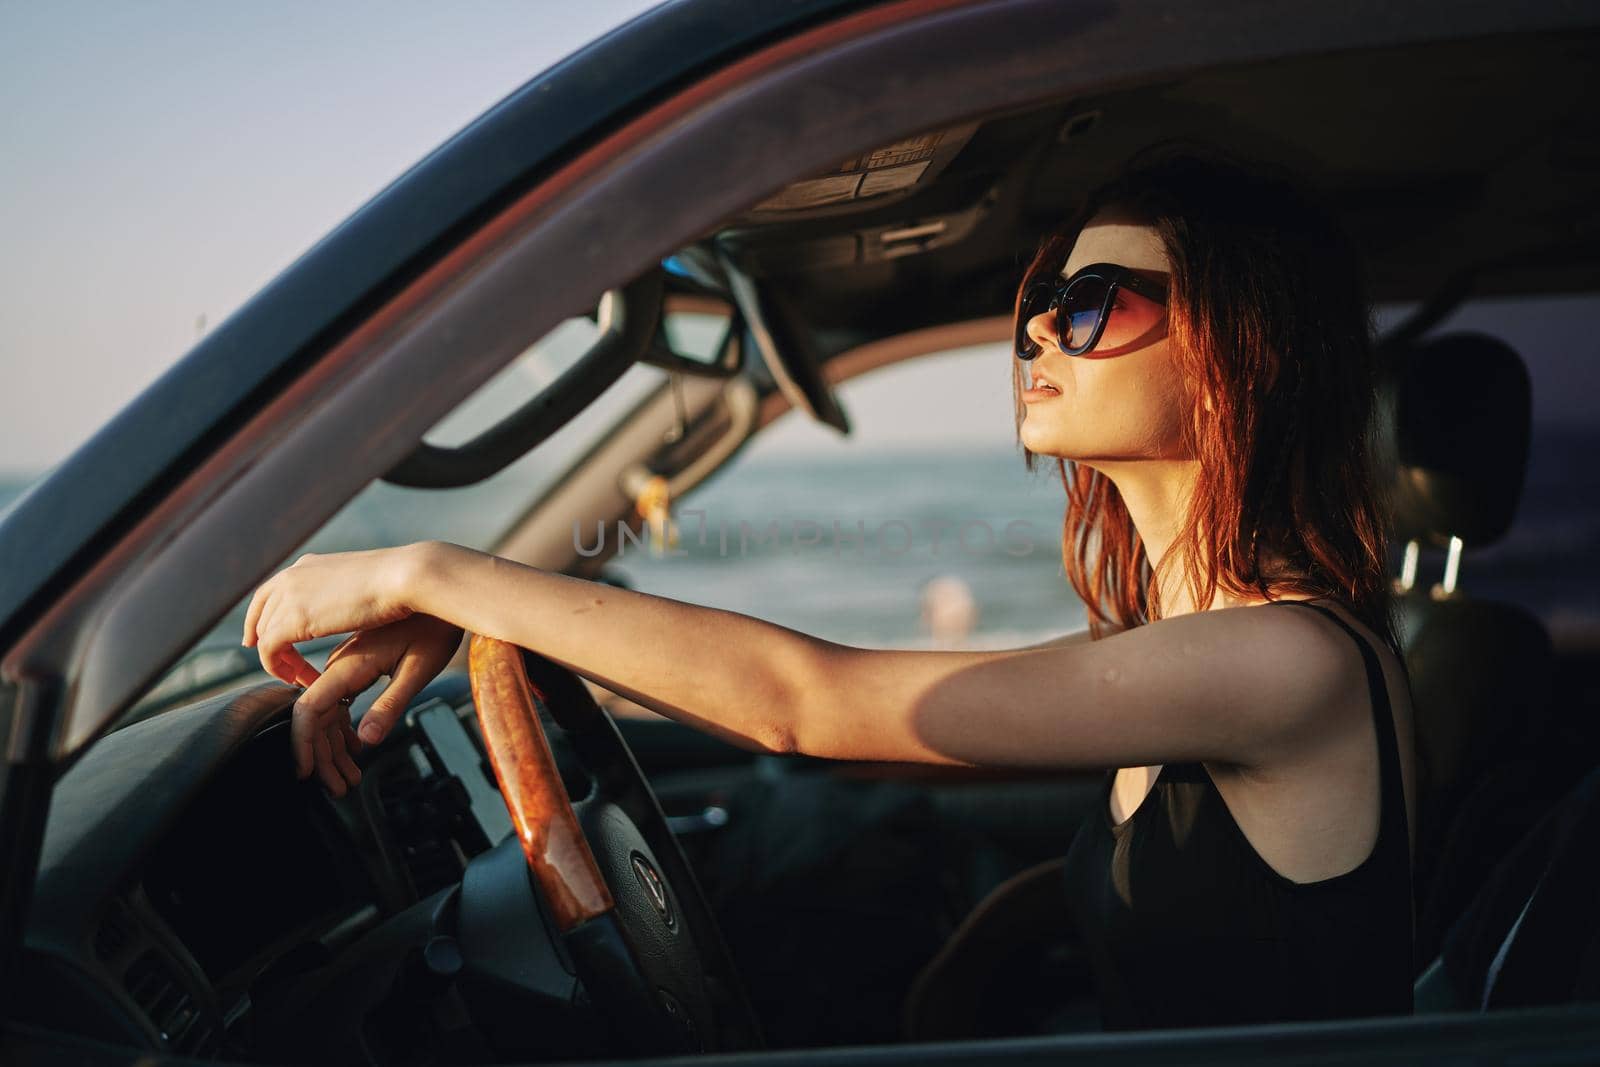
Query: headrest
[[1480, 685], [1461, 406]]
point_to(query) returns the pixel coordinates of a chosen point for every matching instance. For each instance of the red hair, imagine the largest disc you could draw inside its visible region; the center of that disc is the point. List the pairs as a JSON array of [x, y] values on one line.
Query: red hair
[[1268, 316]]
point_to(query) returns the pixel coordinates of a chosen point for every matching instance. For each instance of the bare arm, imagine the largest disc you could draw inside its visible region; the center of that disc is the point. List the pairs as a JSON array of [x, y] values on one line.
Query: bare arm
[[1238, 685], [731, 675]]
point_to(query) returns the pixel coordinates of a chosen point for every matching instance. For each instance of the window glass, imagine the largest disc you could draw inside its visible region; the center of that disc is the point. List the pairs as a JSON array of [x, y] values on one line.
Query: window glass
[[919, 529], [385, 515]]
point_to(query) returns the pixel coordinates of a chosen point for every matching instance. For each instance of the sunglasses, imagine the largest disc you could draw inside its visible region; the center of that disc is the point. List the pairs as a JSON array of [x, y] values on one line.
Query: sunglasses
[[1084, 306]]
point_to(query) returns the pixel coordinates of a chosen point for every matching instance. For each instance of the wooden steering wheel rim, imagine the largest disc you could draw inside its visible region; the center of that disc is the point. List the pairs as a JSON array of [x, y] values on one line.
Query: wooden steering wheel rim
[[558, 854], [664, 976]]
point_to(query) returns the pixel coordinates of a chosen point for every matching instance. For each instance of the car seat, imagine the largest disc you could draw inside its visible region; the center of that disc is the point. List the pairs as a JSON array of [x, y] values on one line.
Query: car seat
[[1016, 965], [1459, 408], [1530, 936]]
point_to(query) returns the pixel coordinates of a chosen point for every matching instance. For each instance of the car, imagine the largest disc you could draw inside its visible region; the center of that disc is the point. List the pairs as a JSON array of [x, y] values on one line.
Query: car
[[571, 317]]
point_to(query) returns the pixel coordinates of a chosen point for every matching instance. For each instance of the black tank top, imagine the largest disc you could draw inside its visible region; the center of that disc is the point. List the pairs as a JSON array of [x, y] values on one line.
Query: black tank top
[[1187, 925]]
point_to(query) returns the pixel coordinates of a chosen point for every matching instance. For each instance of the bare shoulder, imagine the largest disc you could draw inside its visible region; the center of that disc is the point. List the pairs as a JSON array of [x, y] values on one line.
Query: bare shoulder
[[1396, 688], [1256, 687], [1396, 682], [1287, 677], [1294, 657]]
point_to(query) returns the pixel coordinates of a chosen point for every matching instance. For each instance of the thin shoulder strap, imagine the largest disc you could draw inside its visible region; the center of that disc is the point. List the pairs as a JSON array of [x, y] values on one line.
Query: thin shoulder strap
[[1388, 737]]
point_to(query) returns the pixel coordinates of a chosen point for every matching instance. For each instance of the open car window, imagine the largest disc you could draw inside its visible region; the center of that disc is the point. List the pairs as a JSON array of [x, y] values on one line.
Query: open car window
[[921, 527], [385, 515]]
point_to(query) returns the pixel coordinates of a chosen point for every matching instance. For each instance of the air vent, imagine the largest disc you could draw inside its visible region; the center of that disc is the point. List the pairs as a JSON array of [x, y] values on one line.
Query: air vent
[[155, 985]]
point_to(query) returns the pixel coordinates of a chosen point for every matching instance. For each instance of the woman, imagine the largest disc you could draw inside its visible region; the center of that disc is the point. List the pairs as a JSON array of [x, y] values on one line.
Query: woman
[[1197, 356]]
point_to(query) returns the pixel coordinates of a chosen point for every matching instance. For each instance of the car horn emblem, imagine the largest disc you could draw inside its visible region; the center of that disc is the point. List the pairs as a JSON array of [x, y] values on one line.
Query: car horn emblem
[[654, 887]]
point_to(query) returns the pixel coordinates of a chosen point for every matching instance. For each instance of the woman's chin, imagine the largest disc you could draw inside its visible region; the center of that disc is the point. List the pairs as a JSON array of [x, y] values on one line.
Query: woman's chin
[[1039, 439]]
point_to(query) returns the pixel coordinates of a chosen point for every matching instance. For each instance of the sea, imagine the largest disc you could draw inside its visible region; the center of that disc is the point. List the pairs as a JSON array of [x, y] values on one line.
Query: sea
[[923, 548]]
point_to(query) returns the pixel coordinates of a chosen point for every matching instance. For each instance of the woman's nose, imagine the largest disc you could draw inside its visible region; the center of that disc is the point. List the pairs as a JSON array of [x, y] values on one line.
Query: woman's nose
[[1042, 330]]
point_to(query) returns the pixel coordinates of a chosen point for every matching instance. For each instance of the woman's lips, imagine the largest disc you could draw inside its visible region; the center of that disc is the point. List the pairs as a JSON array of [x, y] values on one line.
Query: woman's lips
[[1040, 390]]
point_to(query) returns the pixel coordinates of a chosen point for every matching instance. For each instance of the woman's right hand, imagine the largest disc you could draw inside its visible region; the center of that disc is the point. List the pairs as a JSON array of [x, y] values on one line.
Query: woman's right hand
[[410, 652]]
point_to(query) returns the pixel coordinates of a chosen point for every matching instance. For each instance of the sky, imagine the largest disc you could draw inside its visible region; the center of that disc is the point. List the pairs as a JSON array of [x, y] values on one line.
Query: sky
[[162, 161]]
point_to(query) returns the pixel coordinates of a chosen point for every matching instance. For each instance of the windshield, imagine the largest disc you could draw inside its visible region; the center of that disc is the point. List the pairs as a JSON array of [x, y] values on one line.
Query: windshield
[[385, 515]]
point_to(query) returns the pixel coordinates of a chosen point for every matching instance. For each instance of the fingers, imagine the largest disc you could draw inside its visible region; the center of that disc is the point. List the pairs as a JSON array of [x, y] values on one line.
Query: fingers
[[303, 731], [293, 668], [406, 682], [322, 738], [319, 708], [332, 744], [252, 614], [277, 653], [324, 760], [344, 646], [348, 774], [272, 627], [318, 596], [430, 644], [288, 665], [351, 742]]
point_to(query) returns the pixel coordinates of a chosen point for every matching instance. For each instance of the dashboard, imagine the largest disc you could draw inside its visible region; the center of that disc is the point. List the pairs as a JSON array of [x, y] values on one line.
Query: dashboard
[[251, 864], [195, 898], [192, 893]]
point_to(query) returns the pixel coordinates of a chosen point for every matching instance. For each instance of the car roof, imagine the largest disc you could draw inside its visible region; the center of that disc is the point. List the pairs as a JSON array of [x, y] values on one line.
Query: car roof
[[1471, 162]]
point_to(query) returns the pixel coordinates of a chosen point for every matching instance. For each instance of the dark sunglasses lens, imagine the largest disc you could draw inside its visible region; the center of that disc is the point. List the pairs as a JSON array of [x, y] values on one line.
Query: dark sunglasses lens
[[1080, 312]]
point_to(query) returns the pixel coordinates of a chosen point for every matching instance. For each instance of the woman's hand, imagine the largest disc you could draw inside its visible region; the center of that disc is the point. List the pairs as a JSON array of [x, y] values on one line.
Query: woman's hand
[[321, 595], [410, 652]]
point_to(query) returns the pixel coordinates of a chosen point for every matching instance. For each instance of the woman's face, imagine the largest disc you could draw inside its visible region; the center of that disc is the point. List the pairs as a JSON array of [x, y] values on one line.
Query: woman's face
[[1124, 399]]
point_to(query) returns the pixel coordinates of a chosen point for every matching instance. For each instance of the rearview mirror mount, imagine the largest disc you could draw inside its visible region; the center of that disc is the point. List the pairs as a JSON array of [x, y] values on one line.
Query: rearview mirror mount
[[700, 334]]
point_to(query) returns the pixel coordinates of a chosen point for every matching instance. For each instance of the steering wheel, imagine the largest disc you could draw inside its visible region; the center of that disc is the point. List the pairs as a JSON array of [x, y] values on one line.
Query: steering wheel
[[624, 900]]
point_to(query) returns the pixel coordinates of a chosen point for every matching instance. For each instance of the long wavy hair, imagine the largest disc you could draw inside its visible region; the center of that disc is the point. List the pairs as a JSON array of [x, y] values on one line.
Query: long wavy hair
[[1268, 316]]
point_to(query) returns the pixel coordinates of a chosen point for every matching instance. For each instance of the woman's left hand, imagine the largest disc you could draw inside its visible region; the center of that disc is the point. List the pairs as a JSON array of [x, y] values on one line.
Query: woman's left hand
[[320, 595]]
